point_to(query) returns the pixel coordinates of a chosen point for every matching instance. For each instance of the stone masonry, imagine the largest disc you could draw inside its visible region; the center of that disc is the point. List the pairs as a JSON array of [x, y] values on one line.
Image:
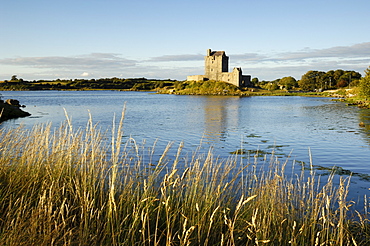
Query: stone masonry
[[217, 68]]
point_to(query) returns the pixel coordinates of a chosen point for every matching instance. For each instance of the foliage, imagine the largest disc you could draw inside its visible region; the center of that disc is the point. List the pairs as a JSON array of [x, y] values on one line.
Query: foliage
[[288, 82], [314, 80], [209, 87], [254, 82], [14, 79], [311, 80], [342, 83], [365, 84], [85, 84], [272, 86]]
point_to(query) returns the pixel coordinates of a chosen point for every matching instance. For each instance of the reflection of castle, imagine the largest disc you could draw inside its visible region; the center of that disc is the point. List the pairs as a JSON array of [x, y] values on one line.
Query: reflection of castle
[[220, 115], [216, 68]]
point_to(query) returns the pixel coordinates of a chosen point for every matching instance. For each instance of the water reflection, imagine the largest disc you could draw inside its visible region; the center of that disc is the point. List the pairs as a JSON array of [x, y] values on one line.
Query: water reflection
[[330, 129], [221, 114], [364, 117]]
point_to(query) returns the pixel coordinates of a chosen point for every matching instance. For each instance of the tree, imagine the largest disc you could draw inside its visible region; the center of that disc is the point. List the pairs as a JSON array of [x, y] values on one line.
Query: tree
[[355, 75], [14, 79], [312, 80], [288, 82], [349, 76], [342, 83], [254, 81], [272, 86], [365, 84], [337, 74], [328, 80]]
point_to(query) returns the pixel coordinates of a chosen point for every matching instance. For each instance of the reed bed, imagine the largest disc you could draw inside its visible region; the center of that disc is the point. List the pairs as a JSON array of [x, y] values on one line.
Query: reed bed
[[68, 186]]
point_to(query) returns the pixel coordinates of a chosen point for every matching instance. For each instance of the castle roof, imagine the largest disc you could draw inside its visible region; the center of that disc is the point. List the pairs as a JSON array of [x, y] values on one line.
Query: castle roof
[[218, 53]]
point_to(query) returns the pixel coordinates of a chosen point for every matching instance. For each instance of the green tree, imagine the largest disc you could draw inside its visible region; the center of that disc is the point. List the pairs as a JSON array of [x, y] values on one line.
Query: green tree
[[14, 79], [254, 81], [337, 74], [272, 86], [328, 80], [351, 77], [312, 80], [288, 82], [365, 84]]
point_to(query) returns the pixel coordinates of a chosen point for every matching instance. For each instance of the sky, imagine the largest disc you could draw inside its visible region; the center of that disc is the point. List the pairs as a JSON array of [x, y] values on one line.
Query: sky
[[168, 39]]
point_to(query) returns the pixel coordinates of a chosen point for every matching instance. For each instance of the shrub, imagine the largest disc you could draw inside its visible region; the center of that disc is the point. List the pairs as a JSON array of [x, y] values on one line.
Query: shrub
[[365, 84]]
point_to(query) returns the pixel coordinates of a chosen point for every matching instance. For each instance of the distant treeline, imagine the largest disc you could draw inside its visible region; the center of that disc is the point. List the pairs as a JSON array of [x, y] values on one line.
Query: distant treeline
[[86, 84], [310, 81], [313, 80]]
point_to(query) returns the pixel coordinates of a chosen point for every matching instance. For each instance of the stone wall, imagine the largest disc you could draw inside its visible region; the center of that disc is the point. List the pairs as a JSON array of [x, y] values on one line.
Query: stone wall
[[195, 78]]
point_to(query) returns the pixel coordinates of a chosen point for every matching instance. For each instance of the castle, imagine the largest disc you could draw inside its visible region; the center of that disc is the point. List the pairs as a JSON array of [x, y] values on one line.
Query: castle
[[217, 68]]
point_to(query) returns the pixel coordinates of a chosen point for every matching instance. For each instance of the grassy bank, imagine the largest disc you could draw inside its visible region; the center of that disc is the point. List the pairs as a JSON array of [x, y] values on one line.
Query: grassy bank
[[219, 88], [68, 187], [353, 97]]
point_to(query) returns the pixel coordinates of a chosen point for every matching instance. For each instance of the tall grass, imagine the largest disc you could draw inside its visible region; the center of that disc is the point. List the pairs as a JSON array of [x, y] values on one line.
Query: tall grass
[[69, 187]]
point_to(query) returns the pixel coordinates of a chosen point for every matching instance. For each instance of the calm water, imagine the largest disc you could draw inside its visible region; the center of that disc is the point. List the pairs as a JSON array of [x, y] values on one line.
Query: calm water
[[283, 124]]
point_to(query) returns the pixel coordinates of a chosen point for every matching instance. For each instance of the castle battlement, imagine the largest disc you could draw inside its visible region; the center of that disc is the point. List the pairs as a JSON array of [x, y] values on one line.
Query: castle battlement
[[217, 68]]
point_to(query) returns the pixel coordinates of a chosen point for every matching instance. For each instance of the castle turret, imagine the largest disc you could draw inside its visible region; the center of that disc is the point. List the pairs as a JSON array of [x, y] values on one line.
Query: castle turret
[[216, 63]]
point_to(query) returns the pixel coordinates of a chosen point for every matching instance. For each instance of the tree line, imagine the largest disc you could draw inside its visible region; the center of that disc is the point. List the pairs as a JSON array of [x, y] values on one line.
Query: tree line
[[313, 80], [310, 81], [80, 84]]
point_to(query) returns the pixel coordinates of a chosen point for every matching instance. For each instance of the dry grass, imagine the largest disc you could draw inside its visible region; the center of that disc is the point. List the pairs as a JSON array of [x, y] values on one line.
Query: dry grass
[[68, 187]]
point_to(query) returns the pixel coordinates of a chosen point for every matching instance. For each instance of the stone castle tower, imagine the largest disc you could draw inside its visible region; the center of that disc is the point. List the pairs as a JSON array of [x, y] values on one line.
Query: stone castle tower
[[217, 68], [216, 63]]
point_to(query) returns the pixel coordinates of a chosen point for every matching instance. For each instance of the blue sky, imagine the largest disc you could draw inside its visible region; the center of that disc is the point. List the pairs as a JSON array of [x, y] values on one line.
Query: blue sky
[[269, 39]]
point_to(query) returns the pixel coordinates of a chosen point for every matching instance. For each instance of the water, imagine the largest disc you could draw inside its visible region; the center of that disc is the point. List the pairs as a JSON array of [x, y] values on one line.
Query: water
[[286, 125]]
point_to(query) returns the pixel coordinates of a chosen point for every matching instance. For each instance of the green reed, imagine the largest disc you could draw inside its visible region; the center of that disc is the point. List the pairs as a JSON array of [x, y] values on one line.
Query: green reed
[[69, 186]]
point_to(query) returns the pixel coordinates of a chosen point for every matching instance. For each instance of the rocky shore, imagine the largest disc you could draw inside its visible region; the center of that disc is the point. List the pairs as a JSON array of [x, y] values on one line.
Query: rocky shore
[[11, 109]]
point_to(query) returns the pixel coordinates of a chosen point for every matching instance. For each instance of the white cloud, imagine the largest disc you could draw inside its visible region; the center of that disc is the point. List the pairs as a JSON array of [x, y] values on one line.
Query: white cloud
[[354, 51], [185, 57], [52, 67], [85, 74], [91, 61], [296, 63]]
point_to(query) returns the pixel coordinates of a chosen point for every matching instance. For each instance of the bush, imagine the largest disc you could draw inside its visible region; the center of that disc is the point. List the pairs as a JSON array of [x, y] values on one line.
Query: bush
[[365, 84], [342, 83]]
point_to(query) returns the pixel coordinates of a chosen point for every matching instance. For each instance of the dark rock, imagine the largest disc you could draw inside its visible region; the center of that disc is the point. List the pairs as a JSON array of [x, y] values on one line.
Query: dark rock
[[10, 109]]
